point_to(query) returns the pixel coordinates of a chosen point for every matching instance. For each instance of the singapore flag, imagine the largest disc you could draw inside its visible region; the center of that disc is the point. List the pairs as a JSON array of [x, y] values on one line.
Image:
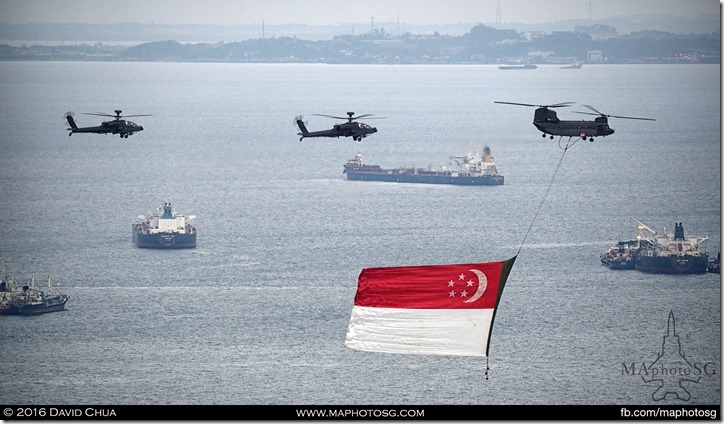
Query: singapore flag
[[429, 310]]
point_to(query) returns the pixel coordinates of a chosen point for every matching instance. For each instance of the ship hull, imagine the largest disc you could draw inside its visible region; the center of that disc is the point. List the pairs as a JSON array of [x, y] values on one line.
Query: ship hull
[[425, 179], [37, 309], [673, 264], [618, 264], [164, 240]]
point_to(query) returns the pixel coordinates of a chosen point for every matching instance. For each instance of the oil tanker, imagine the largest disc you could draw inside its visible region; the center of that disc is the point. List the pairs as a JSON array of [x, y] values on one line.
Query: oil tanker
[[165, 230], [468, 170]]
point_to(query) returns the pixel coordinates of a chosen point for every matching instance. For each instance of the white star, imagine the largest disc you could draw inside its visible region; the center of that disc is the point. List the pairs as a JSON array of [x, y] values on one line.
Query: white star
[[452, 293], [470, 283], [464, 294], [461, 276], [450, 283]]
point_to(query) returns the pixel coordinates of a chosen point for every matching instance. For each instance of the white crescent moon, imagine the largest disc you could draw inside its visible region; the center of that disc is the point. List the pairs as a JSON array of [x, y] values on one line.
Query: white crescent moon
[[482, 285]]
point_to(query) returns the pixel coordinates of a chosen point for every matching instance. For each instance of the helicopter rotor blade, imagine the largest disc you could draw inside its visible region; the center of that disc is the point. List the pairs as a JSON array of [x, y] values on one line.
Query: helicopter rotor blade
[[330, 116], [593, 109], [564, 104], [632, 117], [112, 116], [99, 114], [612, 116]]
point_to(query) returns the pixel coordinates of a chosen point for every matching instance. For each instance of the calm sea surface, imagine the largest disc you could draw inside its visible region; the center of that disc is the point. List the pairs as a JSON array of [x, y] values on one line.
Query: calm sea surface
[[258, 312]]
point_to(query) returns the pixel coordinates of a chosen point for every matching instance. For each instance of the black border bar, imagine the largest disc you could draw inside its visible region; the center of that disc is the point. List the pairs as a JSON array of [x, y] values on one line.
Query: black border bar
[[358, 412]]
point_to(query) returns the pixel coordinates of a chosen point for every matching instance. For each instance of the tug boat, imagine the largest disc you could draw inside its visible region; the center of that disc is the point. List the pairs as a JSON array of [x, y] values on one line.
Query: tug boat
[[165, 230], [620, 256], [715, 264]]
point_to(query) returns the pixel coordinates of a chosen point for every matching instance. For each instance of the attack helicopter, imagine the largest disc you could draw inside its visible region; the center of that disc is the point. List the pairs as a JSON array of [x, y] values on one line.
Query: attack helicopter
[[351, 128], [117, 126], [546, 120]]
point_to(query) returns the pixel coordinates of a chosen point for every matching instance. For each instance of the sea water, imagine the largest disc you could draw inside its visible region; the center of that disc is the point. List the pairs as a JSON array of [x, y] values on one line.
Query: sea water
[[258, 312]]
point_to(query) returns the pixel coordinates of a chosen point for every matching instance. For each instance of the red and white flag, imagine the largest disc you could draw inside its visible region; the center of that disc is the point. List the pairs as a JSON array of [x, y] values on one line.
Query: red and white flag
[[431, 309]]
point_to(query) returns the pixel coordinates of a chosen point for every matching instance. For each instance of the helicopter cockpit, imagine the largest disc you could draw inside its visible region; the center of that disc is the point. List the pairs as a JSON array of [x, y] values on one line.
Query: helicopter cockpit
[[544, 114]]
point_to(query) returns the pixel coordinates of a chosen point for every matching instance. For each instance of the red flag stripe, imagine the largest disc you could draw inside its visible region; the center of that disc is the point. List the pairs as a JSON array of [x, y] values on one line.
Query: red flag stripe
[[457, 286]]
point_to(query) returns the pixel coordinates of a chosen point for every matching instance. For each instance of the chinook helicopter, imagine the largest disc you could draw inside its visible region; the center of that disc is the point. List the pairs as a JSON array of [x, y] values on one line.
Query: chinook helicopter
[[351, 128], [117, 126], [546, 120]]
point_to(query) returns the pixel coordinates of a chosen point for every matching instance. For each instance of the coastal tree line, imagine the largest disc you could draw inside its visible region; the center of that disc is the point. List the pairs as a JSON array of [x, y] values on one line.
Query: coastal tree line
[[482, 44]]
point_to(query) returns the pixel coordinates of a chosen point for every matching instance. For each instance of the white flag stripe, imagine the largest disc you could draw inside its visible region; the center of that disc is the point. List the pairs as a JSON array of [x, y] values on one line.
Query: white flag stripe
[[420, 331]]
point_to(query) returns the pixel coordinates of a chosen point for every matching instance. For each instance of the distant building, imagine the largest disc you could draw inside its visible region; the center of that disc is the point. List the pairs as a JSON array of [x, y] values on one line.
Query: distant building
[[594, 56]]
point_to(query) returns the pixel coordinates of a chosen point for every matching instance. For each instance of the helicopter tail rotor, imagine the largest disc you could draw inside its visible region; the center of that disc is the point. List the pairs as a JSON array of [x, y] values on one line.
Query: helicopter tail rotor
[[299, 121], [69, 117]]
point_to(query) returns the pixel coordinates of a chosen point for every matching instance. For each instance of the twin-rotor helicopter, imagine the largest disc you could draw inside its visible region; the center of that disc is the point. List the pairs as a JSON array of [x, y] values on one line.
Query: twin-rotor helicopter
[[547, 122], [117, 126]]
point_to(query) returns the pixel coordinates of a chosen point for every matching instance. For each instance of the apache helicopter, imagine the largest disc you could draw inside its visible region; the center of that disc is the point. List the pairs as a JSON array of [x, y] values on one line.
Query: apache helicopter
[[356, 130], [117, 126], [546, 120]]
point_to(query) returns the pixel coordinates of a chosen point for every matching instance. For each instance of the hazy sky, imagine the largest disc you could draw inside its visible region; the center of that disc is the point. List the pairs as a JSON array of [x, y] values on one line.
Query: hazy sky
[[321, 12]]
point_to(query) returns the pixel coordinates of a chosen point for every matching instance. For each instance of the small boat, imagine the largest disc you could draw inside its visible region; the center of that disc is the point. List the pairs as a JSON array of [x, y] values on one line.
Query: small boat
[[620, 256], [32, 301], [714, 264], [574, 65], [521, 66]]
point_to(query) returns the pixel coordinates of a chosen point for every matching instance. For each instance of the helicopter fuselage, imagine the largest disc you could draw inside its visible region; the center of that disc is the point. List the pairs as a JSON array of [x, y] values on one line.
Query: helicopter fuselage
[[548, 123], [356, 130]]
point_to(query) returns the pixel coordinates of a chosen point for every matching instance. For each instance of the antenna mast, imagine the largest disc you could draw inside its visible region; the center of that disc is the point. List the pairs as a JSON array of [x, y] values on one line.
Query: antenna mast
[[498, 16]]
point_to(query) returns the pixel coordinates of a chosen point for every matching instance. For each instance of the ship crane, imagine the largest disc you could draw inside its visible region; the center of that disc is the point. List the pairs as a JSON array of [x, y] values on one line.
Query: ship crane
[[643, 226]]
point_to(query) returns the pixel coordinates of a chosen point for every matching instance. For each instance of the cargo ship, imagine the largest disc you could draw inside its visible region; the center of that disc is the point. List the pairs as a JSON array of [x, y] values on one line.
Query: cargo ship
[[469, 170], [165, 230], [661, 253], [669, 253]]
